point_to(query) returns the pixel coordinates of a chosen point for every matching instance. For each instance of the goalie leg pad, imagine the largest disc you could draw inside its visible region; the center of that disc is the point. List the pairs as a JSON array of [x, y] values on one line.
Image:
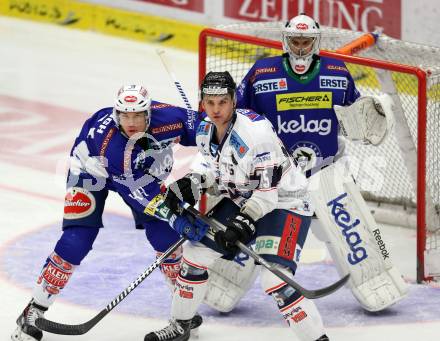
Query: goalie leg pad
[[189, 291], [301, 314], [354, 240], [229, 281]]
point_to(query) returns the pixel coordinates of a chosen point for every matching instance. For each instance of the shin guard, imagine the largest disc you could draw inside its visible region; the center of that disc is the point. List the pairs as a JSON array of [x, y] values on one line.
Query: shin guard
[[189, 291], [53, 278], [170, 268], [300, 313]]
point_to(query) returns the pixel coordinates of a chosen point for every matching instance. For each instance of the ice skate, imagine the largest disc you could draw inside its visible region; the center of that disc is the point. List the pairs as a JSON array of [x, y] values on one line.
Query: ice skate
[[177, 330], [26, 329]]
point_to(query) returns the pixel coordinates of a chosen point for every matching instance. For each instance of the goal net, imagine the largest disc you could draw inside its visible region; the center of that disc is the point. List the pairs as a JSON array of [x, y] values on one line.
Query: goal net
[[404, 171]]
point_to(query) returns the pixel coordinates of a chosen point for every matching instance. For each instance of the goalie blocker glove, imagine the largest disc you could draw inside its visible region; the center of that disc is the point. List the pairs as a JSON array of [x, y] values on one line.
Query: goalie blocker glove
[[188, 189], [240, 228]]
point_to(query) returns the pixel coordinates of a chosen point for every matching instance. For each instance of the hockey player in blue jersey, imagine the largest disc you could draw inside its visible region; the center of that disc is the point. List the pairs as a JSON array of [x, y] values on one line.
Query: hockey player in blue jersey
[[312, 101], [125, 149], [297, 91]]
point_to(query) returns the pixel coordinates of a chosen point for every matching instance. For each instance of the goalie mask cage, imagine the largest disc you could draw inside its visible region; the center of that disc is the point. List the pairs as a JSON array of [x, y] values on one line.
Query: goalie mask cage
[[408, 161]]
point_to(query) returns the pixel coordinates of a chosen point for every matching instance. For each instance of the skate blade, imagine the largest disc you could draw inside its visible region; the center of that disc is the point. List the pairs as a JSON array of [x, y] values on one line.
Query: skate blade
[[18, 335]]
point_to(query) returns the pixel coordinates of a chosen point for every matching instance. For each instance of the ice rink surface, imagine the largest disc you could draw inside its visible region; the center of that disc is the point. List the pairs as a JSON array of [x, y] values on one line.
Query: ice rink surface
[[51, 80]]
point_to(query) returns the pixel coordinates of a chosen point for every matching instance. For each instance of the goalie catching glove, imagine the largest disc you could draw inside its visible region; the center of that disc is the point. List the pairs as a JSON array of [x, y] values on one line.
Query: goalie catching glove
[[188, 189], [240, 228], [369, 119]]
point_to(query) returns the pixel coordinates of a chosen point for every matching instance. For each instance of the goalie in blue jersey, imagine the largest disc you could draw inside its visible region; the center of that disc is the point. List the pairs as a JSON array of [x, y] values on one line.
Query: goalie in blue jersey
[[127, 149], [314, 107]]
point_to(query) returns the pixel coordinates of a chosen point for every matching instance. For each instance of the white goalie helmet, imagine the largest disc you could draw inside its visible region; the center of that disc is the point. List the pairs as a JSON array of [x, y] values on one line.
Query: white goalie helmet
[[301, 36], [132, 98]]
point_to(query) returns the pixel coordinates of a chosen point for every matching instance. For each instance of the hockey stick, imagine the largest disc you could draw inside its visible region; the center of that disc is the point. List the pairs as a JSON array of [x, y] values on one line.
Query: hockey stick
[[79, 329], [312, 293], [179, 87]]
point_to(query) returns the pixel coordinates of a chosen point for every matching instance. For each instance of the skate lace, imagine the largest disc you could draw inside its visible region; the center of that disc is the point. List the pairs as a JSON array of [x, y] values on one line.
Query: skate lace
[[174, 329], [32, 314]]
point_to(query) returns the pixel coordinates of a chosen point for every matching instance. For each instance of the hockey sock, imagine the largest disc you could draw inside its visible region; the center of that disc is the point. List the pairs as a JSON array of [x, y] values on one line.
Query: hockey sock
[[170, 268], [190, 289], [53, 278], [300, 313], [74, 244]]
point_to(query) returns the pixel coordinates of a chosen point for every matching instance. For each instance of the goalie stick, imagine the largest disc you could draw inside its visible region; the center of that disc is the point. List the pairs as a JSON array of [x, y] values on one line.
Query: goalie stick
[[79, 329], [308, 293]]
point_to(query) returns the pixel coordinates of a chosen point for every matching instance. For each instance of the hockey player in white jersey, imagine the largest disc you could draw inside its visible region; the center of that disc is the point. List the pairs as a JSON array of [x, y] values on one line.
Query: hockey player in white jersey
[[263, 199]]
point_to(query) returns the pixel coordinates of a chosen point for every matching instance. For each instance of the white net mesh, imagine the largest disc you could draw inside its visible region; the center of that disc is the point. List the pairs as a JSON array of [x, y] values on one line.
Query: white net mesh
[[397, 168]]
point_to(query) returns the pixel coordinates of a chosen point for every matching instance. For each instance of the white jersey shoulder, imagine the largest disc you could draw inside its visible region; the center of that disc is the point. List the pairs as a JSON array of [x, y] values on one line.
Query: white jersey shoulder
[[254, 128]]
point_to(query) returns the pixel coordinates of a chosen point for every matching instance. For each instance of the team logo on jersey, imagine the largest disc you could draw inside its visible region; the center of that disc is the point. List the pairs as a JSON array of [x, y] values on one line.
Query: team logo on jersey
[[78, 203], [166, 128], [105, 142], [262, 70], [321, 127], [252, 115], [240, 147], [270, 85], [337, 68], [156, 208], [267, 245], [161, 106], [333, 82], [304, 100], [203, 128], [305, 155]]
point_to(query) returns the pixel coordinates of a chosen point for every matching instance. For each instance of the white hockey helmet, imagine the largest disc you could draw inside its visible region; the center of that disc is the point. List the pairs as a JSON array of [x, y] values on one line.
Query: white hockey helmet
[[132, 98], [300, 55]]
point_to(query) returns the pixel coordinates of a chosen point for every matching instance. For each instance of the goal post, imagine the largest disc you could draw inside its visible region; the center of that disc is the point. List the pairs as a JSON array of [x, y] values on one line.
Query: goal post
[[411, 177]]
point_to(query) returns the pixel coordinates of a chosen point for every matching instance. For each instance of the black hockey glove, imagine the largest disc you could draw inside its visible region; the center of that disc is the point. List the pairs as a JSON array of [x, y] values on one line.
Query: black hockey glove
[[240, 228], [188, 189]]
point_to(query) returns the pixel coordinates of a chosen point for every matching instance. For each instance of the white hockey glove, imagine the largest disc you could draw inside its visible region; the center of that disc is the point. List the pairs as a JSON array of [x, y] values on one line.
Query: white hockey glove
[[368, 120]]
